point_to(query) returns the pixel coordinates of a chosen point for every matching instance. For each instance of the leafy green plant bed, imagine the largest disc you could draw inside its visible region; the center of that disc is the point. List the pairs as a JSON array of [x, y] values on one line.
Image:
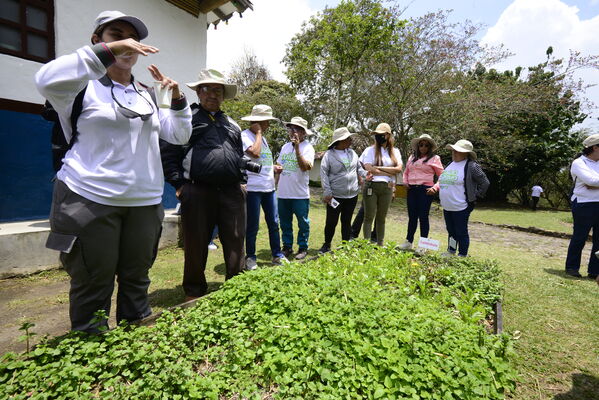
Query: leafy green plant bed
[[364, 322]]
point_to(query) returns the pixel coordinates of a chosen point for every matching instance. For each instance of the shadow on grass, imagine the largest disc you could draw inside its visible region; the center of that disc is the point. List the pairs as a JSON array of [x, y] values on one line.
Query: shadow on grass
[[562, 273], [584, 387]]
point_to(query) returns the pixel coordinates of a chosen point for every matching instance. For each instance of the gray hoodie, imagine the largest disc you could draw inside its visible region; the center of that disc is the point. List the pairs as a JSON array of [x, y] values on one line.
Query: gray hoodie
[[340, 180]]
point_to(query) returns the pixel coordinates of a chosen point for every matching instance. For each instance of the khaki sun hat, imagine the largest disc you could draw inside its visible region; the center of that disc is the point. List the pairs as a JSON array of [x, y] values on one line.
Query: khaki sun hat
[[382, 128], [109, 16], [260, 112], [213, 76], [302, 123], [426, 138], [591, 140], [340, 134], [463, 146]]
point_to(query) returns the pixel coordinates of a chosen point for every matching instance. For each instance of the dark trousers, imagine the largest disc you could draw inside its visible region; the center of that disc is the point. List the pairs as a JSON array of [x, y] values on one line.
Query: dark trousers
[[202, 207], [345, 209], [356, 226], [419, 206], [535, 201], [456, 223], [97, 244], [586, 217]]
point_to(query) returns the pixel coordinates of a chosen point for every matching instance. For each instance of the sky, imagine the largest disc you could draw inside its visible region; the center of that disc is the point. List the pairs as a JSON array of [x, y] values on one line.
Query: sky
[[525, 27]]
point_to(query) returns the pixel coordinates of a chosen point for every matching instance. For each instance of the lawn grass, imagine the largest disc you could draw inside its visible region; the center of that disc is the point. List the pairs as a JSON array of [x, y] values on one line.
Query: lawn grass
[[557, 221], [554, 318]]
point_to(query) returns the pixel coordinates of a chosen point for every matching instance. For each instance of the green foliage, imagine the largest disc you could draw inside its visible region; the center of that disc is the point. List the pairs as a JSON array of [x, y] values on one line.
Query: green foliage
[[364, 322]]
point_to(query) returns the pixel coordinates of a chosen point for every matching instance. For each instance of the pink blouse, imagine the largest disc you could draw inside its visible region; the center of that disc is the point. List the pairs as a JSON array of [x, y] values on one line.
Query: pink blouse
[[422, 173]]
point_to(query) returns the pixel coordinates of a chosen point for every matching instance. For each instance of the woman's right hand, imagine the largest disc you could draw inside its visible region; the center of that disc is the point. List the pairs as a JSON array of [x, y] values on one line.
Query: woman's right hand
[[431, 191], [327, 199], [129, 47]]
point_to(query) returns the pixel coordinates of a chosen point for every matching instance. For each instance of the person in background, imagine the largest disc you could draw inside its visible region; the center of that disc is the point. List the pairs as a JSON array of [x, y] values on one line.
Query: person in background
[[536, 194], [383, 162], [208, 177], [261, 187], [293, 192], [340, 176], [461, 183], [106, 214], [585, 208], [212, 245], [419, 176]]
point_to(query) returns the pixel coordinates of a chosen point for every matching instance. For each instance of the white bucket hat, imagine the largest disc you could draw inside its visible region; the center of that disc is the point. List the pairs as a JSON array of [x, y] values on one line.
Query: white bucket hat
[[591, 140], [109, 16], [260, 112], [462, 146], [299, 121], [382, 128], [426, 138], [213, 76], [340, 134]]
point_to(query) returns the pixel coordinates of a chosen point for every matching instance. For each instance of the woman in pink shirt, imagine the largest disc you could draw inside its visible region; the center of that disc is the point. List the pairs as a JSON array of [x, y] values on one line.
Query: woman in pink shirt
[[419, 175]]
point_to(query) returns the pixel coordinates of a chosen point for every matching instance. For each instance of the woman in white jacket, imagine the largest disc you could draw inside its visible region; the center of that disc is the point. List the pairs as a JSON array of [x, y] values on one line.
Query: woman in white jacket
[[340, 175], [106, 214]]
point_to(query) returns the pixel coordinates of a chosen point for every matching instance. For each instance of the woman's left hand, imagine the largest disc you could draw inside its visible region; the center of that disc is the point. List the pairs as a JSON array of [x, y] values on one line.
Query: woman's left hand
[[327, 199], [431, 191], [166, 81]]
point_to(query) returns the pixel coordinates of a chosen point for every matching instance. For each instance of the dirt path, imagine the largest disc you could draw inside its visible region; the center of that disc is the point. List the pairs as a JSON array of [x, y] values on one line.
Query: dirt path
[[43, 299]]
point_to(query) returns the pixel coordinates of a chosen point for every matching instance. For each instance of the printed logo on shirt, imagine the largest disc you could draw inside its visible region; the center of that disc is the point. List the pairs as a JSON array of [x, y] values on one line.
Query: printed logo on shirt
[[266, 157], [448, 177], [289, 162]]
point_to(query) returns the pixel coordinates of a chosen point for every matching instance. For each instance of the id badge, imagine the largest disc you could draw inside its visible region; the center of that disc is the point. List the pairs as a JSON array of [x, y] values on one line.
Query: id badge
[[369, 191]]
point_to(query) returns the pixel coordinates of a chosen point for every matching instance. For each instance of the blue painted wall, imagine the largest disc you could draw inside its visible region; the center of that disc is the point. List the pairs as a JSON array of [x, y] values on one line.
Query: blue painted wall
[[26, 168]]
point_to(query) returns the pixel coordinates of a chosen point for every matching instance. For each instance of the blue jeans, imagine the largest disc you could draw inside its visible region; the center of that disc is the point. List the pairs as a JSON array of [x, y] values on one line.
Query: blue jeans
[[586, 217], [456, 223], [267, 200], [299, 207], [419, 206]]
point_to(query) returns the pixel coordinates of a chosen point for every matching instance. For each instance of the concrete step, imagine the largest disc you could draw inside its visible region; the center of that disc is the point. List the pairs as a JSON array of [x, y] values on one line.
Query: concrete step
[[23, 245]]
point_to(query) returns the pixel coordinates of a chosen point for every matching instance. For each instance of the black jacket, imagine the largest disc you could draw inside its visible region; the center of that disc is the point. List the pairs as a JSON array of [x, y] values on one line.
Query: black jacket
[[212, 155]]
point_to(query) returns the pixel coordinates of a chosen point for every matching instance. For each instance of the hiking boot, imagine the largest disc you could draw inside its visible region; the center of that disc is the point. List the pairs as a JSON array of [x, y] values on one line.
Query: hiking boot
[[280, 260], [324, 249], [301, 254], [405, 246], [287, 252], [250, 264], [573, 272]]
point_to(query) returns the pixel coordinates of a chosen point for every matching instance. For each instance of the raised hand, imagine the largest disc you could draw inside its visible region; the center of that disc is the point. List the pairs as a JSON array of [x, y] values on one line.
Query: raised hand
[[129, 47], [166, 81]]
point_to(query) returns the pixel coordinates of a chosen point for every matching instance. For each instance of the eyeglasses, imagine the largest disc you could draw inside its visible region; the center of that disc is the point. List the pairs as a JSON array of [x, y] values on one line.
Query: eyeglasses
[[129, 113], [217, 90]]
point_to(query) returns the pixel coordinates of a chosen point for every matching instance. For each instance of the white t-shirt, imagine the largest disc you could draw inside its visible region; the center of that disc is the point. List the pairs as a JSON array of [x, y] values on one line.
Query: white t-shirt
[[536, 191], [368, 157], [452, 192], [265, 180], [293, 182]]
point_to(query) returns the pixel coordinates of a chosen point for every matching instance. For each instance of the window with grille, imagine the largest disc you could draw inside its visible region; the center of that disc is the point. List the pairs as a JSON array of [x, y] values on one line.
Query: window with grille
[[27, 29]]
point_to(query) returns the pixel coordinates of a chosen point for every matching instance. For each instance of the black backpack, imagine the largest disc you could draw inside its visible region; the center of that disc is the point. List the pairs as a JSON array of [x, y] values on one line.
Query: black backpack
[[60, 146]]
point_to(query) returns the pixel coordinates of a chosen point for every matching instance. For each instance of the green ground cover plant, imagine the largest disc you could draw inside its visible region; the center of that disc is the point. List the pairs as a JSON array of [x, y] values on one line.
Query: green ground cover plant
[[364, 322]]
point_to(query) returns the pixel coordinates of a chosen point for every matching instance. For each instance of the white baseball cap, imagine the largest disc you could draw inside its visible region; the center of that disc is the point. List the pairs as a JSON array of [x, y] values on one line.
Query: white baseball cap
[[110, 16]]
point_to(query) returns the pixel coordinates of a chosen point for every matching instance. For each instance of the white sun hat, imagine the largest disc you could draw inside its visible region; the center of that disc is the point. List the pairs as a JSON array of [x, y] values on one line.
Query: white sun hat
[[340, 134], [299, 121], [260, 112], [462, 146], [213, 76]]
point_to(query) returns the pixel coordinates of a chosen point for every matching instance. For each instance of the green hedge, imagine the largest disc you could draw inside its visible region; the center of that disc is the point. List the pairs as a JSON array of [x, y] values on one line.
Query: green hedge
[[365, 322]]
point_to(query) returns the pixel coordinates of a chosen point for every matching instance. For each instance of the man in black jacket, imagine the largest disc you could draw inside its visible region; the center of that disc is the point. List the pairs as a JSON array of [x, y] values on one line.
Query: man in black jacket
[[208, 179]]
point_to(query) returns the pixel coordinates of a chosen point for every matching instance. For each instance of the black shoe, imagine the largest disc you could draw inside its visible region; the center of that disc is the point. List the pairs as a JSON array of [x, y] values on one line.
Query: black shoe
[[287, 252], [593, 276], [324, 249], [574, 273]]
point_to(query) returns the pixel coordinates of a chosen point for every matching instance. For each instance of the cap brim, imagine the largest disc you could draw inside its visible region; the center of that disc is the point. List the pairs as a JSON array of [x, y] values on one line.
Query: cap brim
[[461, 150], [140, 27], [415, 141], [347, 135], [258, 119], [230, 90]]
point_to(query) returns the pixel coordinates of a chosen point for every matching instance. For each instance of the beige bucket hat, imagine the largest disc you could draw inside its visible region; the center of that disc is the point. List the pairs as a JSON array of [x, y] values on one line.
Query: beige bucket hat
[[591, 140], [382, 128], [462, 146], [299, 121], [426, 138], [340, 134], [213, 76], [260, 112]]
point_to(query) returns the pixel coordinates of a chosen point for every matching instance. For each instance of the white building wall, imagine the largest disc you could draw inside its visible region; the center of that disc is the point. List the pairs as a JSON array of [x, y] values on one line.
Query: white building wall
[[180, 36]]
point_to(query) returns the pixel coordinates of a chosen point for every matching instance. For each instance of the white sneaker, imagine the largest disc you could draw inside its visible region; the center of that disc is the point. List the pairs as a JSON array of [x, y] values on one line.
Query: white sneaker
[[250, 264], [280, 260], [212, 246], [405, 246], [447, 254]]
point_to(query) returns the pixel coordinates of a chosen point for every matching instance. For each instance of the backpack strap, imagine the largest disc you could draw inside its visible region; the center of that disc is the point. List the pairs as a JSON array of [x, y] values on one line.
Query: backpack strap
[[75, 113]]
